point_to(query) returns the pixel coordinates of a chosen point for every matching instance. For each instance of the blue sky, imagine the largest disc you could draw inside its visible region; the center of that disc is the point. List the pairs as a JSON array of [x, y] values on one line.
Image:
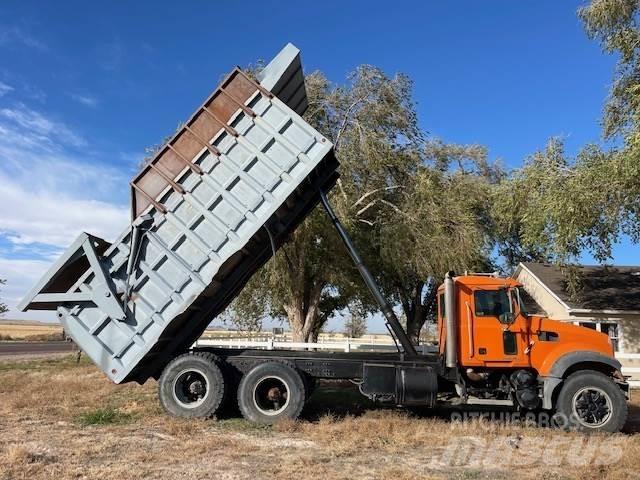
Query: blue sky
[[85, 87]]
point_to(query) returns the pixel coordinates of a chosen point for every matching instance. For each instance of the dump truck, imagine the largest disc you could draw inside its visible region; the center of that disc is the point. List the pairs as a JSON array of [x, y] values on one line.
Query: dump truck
[[213, 205]]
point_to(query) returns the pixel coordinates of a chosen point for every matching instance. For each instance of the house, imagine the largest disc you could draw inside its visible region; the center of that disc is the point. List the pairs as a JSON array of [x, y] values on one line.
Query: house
[[607, 300]]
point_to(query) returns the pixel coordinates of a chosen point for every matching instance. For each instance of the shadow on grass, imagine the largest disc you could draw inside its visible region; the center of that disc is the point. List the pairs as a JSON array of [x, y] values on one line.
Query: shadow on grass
[[338, 398], [342, 398], [633, 420]]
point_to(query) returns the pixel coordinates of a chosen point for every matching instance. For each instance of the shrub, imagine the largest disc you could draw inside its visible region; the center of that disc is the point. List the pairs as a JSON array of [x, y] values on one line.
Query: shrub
[[104, 416]]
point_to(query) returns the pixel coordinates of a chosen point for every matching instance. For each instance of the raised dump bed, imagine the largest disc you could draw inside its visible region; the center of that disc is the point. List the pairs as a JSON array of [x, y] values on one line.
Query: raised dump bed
[[207, 212]]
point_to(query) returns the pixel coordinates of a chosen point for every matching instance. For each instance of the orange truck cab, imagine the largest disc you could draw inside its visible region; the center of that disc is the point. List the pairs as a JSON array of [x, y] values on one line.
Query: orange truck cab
[[496, 346]]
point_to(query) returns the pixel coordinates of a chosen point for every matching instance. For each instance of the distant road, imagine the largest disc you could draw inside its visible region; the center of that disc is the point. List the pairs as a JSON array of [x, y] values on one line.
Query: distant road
[[31, 348]]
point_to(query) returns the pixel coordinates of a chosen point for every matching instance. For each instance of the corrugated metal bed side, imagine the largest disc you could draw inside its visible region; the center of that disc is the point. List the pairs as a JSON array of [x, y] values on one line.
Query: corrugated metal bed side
[[243, 171]]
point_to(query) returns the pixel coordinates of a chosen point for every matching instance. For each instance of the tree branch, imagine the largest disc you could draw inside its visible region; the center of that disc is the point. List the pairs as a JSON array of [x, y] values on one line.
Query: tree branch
[[345, 120], [371, 192]]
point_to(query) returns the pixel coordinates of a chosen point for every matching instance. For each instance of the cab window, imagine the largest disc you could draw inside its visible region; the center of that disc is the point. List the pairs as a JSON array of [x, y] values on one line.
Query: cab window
[[491, 303]]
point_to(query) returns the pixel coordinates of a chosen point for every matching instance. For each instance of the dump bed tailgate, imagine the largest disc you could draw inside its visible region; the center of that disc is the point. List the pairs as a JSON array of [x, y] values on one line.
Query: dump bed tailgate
[[207, 212]]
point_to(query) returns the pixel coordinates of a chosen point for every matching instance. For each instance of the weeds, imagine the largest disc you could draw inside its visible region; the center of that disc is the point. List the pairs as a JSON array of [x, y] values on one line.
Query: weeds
[[47, 405], [104, 416]]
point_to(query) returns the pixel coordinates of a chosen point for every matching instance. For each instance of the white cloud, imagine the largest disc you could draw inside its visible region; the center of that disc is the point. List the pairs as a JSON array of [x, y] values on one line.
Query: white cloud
[[21, 276], [54, 217], [28, 125], [4, 89], [86, 100], [48, 196]]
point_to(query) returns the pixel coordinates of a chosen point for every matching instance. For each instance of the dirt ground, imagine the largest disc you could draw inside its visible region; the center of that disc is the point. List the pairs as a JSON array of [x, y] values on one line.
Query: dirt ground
[[63, 420]]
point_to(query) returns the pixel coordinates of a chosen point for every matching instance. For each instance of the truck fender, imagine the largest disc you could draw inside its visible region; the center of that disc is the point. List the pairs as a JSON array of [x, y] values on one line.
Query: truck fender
[[556, 376], [566, 361]]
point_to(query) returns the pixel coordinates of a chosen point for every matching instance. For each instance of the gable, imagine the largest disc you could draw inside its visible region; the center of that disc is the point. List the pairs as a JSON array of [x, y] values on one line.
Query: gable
[[601, 288]]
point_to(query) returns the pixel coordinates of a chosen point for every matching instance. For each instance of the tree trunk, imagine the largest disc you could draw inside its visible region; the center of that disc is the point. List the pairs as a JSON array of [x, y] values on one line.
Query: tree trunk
[[303, 313], [416, 309], [415, 321]]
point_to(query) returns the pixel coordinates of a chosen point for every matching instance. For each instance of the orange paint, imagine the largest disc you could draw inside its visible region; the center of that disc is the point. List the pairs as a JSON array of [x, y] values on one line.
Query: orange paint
[[538, 341]]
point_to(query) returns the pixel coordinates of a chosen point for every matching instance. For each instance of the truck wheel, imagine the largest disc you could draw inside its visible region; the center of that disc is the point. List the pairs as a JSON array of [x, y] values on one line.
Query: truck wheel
[[191, 385], [591, 401], [270, 392]]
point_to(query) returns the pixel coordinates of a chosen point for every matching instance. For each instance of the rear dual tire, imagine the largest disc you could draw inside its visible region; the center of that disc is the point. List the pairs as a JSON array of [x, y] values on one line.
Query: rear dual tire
[[192, 385], [271, 392]]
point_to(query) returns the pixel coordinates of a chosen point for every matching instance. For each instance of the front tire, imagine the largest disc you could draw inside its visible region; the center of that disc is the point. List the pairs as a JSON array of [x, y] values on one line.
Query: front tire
[[271, 392], [191, 385], [590, 401]]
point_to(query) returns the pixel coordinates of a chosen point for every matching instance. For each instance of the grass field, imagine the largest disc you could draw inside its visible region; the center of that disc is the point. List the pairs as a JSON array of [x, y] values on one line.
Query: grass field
[[29, 331], [63, 420]]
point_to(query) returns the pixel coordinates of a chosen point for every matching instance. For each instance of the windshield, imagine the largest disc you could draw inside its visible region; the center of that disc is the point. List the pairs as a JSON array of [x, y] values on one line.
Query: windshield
[[516, 299]]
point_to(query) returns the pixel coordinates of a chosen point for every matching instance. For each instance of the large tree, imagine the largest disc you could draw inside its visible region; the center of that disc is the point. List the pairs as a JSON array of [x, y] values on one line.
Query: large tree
[[444, 225], [614, 24], [556, 207], [415, 208], [311, 277], [432, 219]]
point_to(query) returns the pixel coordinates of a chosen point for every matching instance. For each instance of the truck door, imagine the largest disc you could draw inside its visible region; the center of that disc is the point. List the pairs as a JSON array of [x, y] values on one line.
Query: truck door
[[496, 342]]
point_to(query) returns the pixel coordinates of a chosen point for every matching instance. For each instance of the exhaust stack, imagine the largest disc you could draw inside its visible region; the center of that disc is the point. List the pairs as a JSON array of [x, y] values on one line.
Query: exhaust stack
[[451, 346]]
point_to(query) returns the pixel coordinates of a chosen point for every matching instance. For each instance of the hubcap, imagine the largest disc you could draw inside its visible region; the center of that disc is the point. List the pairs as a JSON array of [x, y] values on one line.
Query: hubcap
[[271, 395], [592, 407], [190, 388]]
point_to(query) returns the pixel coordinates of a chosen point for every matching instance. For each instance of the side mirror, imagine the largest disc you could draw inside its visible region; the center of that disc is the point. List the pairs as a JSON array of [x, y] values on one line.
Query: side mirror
[[507, 318]]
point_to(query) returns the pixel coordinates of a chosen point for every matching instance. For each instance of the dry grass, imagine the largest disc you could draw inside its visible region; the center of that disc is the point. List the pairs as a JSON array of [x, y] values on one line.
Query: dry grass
[[30, 332], [62, 420]]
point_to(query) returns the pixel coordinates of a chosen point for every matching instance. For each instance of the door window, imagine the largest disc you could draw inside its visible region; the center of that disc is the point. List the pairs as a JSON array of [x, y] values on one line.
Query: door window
[[491, 303]]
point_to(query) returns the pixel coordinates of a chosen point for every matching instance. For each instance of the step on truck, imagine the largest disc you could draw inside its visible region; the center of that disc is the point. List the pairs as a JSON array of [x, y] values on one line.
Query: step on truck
[[212, 207]]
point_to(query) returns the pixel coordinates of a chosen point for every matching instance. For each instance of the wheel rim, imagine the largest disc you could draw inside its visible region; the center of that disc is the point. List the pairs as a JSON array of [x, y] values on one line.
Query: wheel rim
[[190, 388], [271, 395], [592, 407]]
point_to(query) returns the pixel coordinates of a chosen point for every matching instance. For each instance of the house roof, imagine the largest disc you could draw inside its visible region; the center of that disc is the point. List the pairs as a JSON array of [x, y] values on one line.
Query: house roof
[[602, 287]]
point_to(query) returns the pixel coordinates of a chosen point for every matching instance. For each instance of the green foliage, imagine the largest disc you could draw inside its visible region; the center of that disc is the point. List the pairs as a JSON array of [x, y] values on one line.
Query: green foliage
[[370, 121], [437, 221], [415, 209], [614, 23], [355, 325], [104, 416], [555, 208], [559, 207]]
